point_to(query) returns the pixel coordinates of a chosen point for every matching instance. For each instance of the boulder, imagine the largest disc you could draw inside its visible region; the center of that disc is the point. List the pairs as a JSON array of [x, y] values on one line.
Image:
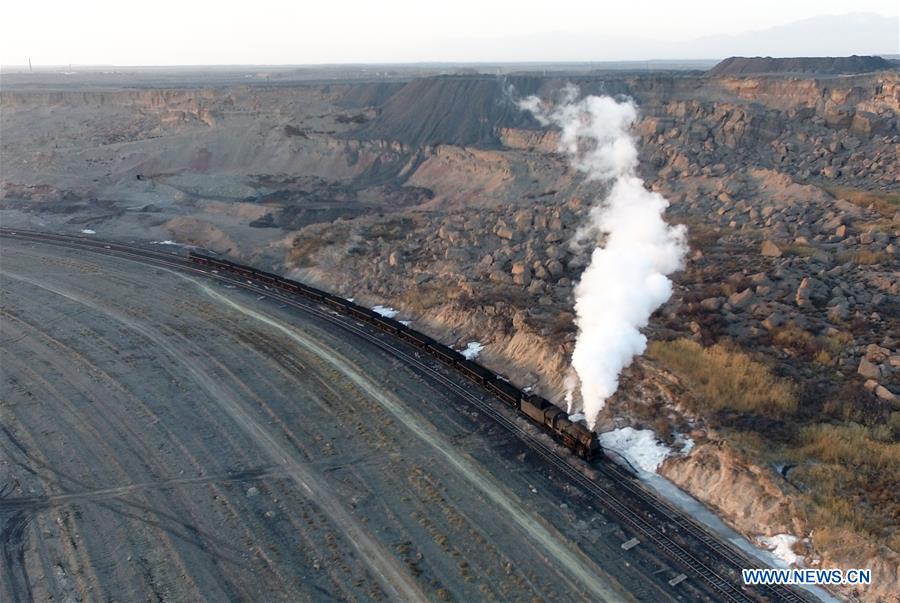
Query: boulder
[[498, 276], [555, 268], [521, 273], [536, 286], [770, 249], [553, 237], [885, 394], [711, 303], [742, 299], [876, 353], [523, 220], [803, 298], [774, 320], [520, 268], [504, 232], [839, 311], [457, 254], [868, 369]]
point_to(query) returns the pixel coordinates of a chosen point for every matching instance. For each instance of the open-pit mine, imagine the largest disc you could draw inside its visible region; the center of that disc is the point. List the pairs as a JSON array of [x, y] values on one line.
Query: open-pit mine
[[181, 419]]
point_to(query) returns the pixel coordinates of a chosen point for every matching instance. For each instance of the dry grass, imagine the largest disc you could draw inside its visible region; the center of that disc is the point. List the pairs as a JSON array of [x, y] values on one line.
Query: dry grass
[[701, 234], [851, 445], [865, 257], [800, 250], [794, 338], [836, 342], [726, 379], [851, 473], [884, 203], [822, 349]]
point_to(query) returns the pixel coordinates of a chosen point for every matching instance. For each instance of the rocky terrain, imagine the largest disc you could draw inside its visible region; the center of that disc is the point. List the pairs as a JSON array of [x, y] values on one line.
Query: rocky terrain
[[437, 196]]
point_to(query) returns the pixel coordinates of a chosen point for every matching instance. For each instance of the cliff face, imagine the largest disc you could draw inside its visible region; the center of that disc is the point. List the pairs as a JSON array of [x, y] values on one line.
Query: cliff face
[[757, 502]]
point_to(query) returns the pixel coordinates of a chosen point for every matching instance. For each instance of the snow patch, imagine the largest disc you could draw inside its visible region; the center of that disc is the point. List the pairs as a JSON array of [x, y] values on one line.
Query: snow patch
[[639, 446], [166, 242], [473, 349], [782, 546], [88, 231], [385, 311], [686, 443], [405, 323]]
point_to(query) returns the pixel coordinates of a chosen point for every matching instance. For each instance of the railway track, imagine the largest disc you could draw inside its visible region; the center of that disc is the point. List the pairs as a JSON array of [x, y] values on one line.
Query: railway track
[[654, 520]]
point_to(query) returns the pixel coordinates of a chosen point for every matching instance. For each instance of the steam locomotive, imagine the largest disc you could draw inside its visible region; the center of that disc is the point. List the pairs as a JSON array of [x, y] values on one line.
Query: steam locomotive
[[575, 436]]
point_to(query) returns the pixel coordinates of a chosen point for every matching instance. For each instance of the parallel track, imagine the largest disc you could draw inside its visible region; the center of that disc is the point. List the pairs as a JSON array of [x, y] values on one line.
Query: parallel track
[[688, 531]]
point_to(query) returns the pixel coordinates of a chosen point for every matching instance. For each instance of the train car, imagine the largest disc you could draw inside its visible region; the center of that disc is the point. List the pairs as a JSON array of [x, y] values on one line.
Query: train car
[[444, 354], [310, 292], [505, 391], [414, 337], [266, 277], [290, 286], [243, 271], [475, 372], [388, 324], [283, 283], [533, 406], [338, 303], [361, 313]]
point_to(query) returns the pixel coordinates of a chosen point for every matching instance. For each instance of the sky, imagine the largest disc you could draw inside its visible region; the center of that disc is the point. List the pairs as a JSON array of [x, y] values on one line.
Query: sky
[[195, 32]]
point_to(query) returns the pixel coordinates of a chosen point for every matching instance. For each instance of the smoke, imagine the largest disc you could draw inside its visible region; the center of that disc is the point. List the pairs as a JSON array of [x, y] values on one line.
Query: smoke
[[626, 279]]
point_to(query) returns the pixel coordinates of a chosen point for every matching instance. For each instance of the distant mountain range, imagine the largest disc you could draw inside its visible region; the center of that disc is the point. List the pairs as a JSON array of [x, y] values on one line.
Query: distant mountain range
[[831, 35]]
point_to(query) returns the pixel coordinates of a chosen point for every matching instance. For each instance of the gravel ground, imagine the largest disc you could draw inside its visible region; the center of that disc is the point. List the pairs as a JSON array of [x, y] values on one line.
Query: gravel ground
[[168, 438]]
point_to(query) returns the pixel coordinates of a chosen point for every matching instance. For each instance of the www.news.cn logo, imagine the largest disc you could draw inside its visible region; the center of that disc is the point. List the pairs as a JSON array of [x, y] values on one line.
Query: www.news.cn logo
[[802, 577]]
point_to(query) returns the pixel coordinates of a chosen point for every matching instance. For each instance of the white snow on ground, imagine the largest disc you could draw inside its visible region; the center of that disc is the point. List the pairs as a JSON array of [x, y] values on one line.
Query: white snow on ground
[[639, 446], [88, 231], [782, 546], [623, 442], [473, 348], [385, 311], [686, 442], [166, 242], [405, 323]]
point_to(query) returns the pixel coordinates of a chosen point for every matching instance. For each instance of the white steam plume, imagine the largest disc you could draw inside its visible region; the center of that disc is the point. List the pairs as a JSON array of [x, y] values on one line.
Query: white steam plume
[[627, 277]]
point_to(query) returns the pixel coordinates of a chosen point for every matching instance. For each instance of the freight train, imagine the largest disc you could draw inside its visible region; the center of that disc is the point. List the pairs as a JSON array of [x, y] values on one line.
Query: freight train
[[573, 435]]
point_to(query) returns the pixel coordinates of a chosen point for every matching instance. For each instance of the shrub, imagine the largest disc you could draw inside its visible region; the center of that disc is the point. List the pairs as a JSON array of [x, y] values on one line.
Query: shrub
[[726, 379], [794, 338]]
